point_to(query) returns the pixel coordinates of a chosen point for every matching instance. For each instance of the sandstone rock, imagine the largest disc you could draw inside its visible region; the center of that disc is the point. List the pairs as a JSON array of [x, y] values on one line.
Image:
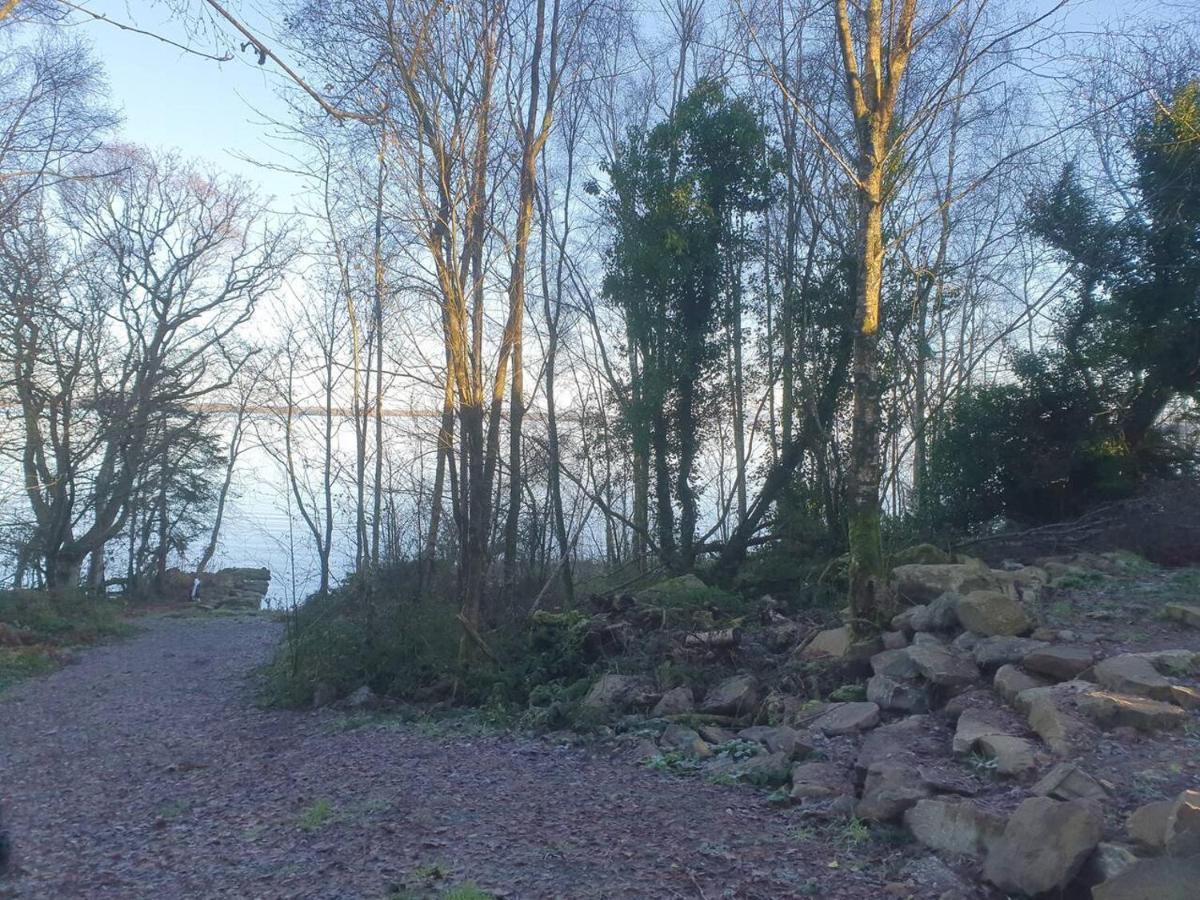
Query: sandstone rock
[[675, 702], [999, 650], [902, 621], [934, 877], [1182, 835], [817, 781], [1185, 697], [1172, 662], [1153, 879], [972, 725], [992, 613], [966, 642], [1147, 825], [1106, 862], [927, 639], [954, 826], [1131, 674], [975, 698], [1051, 713], [618, 693], [893, 640], [1058, 663], [899, 741], [894, 664], [684, 740], [716, 735], [1066, 781], [890, 789], [1109, 710], [848, 718], [765, 770], [919, 583], [735, 696], [941, 667], [1043, 845], [939, 615], [1010, 681], [1014, 755], [777, 739], [833, 643], [1187, 613], [891, 693]]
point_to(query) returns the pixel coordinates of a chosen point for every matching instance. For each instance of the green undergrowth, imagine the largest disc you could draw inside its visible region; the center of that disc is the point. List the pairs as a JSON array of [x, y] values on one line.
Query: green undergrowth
[[36, 626]]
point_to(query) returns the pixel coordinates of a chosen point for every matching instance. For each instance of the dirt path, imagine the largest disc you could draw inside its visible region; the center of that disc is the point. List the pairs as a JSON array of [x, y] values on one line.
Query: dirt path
[[145, 770]]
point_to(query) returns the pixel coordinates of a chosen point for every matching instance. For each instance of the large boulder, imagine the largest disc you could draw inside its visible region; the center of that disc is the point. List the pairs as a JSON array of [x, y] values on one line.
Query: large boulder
[[1043, 845], [1011, 681], [939, 666], [889, 790], [919, 583], [1000, 650], [1131, 673], [1059, 663], [735, 696], [1170, 826], [818, 781], [680, 739], [676, 701], [1111, 710], [992, 613], [848, 718], [953, 826], [897, 694], [1153, 879], [618, 693]]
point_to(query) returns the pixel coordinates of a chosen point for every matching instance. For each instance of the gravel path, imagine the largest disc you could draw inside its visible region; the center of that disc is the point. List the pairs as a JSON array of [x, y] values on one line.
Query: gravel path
[[145, 770]]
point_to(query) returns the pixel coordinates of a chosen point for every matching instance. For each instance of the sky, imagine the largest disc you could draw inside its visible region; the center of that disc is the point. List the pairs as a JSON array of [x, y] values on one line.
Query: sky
[[216, 112]]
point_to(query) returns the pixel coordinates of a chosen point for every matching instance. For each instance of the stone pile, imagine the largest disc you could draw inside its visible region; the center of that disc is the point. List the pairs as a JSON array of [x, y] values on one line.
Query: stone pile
[[965, 676], [240, 588]]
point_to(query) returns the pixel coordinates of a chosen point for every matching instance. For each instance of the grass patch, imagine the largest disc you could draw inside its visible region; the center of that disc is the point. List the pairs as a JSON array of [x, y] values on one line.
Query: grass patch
[[317, 815], [19, 663]]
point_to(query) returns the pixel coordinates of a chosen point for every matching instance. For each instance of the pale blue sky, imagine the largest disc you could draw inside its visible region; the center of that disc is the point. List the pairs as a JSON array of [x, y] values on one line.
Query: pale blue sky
[[211, 111]]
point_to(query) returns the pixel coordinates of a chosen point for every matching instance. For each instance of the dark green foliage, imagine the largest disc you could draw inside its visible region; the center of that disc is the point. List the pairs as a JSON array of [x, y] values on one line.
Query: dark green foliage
[[678, 201], [1076, 424]]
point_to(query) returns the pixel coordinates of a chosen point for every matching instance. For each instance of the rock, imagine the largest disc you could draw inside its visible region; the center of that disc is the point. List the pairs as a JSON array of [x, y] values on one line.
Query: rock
[[848, 718], [927, 639], [674, 702], [919, 583], [778, 739], [893, 640], [1066, 781], [890, 789], [999, 650], [1010, 681], [992, 613], [1172, 662], [972, 699], [818, 781], [716, 735], [957, 827], [1187, 613], [965, 642], [891, 693], [1132, 674], [1153, 879], [764, 770], [1051, 713], [940, 615], [1109, 710], [1147, 825], [900, 741], [618, 693], [1185, 697], [1044, 844], [935, 877], [735, 696], [1058, 663], [1106, 862], [682, 739], [832, 643], [972, 725], [894, 664], [941, 667], [926, 554], [902, 621], [1182, 836], [1014, 755]]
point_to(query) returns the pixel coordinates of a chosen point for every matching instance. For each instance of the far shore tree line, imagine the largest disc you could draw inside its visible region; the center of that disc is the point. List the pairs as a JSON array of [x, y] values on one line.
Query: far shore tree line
[[680, 289]]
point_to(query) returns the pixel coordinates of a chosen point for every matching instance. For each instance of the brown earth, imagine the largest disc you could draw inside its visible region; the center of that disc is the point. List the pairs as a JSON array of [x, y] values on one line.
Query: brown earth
[[146, 770]]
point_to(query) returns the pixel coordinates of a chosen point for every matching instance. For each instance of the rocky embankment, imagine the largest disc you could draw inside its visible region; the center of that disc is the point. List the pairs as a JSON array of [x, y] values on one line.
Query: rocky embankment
[[1022, 754]]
